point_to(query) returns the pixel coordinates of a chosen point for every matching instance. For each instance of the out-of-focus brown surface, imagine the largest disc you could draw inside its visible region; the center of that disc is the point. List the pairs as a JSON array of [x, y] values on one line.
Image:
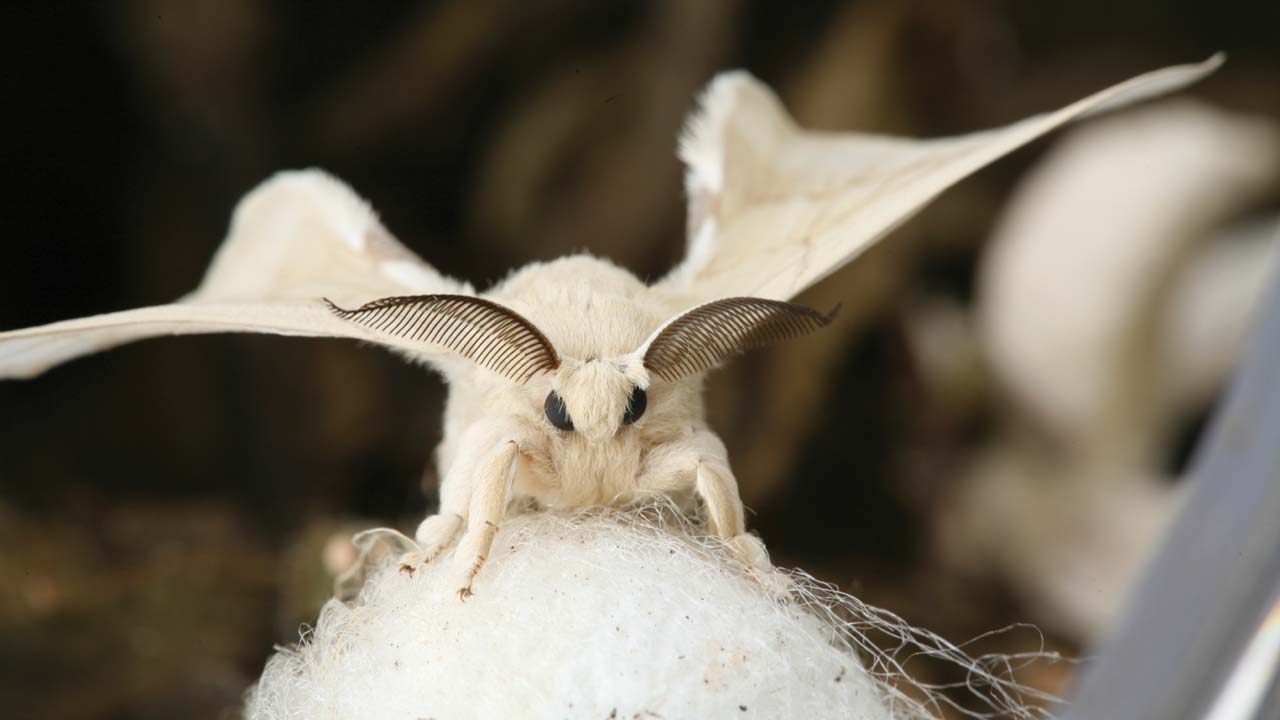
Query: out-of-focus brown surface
[[165, 507]]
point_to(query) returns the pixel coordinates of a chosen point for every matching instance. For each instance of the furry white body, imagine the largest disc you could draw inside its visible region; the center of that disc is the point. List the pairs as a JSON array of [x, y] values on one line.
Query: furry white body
[[499, 447]]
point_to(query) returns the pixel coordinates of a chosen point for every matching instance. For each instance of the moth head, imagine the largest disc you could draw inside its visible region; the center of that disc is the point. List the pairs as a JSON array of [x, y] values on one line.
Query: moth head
[[594, 397], [704, 336], [598, 397]]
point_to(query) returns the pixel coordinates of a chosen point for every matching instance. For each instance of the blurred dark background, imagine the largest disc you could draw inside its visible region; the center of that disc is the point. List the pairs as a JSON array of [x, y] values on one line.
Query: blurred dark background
[[166, 508]]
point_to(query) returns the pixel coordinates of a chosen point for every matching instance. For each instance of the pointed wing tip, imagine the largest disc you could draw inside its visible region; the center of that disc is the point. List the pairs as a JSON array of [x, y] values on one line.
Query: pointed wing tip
[[23, 358], [1197, 70], [1152, 84], [18, 375]]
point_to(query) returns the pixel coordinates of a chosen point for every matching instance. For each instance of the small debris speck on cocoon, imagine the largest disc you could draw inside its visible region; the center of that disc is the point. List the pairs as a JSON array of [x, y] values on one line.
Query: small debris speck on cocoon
[[597, 615]]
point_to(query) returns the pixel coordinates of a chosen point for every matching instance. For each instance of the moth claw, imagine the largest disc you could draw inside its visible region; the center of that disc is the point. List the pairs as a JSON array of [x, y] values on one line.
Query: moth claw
[[464, 593], [410, 562], [750, 552]]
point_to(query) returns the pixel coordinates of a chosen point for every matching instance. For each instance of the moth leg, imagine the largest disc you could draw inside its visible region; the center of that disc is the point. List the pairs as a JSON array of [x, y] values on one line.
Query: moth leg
[[437, 532], [700, 460], [715, 484], [701, 457], [490, 491], [718, 489]]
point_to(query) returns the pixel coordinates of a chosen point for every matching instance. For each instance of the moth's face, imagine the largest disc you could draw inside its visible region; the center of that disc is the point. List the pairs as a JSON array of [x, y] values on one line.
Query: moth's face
[[597, 398]]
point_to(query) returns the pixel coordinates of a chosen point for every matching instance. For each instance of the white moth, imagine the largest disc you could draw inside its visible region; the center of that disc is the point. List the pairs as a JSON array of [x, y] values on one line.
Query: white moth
[[572, 383]]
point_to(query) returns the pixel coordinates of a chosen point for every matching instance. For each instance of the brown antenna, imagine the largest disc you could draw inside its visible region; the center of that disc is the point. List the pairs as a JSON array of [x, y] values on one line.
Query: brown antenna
[[704, 336], [490, 335]]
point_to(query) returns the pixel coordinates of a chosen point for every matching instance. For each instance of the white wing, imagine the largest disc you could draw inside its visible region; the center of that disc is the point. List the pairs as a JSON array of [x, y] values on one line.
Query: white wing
[[774, 209], [294, 239]]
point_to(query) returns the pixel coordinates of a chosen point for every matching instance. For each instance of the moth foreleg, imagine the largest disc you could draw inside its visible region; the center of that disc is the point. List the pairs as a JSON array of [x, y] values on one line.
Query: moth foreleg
[[434, 535], [701, 457], [718, 489], [491, 483], [715, 484], [437, 532]]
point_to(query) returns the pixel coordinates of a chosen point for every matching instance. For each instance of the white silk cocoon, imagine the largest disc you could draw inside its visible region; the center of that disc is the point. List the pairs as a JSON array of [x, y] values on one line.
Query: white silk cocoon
[[607, 614], [584, 617]]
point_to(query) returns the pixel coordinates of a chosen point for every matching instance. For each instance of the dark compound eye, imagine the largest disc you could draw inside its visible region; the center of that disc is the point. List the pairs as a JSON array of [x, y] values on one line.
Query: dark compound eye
[[635, 406], [556, 412]]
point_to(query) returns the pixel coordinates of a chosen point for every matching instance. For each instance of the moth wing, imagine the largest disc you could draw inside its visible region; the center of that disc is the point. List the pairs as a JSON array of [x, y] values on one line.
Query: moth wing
[[774, 208], [296, 238]]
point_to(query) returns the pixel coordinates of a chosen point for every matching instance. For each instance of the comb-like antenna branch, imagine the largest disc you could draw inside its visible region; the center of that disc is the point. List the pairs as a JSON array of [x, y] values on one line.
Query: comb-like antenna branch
[[704, 336], [484, 332]]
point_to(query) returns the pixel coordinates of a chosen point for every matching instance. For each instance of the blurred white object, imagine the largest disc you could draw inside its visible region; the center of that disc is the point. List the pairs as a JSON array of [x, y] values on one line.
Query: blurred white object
[[1107, 316], [586, 617], [1080, 264], [1066, 536]]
